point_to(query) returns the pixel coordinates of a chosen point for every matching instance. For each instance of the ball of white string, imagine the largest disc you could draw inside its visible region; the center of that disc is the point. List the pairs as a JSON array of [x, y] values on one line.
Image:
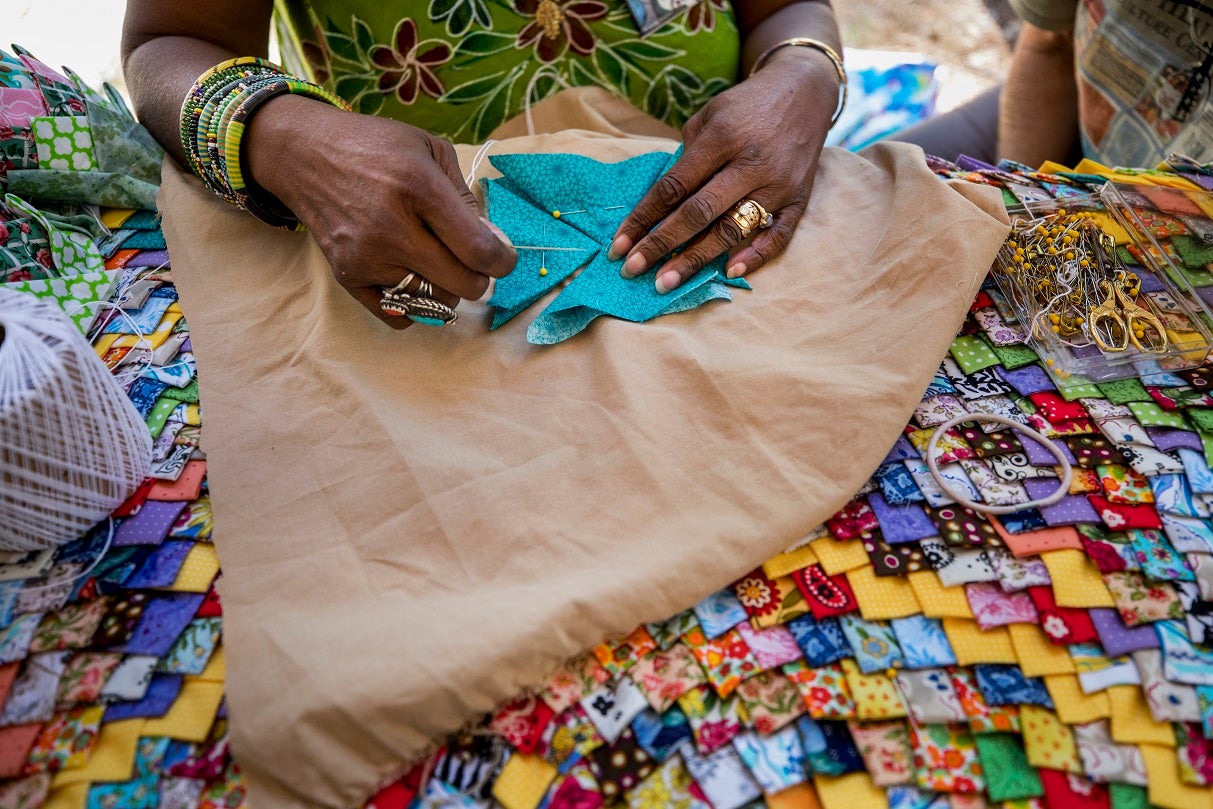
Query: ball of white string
[[72, 446]]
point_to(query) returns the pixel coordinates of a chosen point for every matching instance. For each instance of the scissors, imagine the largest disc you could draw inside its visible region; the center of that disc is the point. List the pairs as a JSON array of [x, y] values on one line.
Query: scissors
[[1120, 320]]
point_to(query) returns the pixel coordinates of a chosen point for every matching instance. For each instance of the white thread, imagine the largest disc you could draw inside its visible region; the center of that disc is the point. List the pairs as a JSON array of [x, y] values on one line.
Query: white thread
[[481, 154], [105, 548], [72, 446], [530, 90], [1063, 487]]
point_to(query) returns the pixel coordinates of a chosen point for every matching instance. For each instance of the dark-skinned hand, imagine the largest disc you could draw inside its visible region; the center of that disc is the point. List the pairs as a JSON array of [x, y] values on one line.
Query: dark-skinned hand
[[759, 140], [381, 198]]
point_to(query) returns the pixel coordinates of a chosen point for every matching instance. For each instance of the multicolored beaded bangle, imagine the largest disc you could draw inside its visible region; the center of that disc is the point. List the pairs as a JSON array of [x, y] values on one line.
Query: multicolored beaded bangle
[[214, 115]]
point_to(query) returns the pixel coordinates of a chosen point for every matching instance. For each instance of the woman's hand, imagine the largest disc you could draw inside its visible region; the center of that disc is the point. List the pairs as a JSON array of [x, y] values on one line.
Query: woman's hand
[[759, 140], [381, 198]]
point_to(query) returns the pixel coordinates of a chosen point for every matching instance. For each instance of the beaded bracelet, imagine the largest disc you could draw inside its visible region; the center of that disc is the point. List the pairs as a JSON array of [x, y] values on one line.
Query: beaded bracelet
[[831, 54], [214, 115]]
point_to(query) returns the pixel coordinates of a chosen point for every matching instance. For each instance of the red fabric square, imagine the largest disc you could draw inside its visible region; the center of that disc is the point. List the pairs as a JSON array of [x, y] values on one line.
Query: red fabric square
[[826, 596], [1122, 516], [1063, 625], [1065, 790]]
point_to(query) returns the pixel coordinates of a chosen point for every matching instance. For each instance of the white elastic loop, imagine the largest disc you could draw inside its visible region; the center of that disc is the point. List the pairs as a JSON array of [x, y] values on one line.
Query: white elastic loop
[[1062, 489]]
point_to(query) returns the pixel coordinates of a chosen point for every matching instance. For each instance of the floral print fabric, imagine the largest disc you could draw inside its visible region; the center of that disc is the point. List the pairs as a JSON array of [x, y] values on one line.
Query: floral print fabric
[[459, 68]]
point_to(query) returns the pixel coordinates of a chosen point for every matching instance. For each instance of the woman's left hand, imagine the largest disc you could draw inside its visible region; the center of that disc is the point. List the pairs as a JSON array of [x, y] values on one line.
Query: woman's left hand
[[759, 140]]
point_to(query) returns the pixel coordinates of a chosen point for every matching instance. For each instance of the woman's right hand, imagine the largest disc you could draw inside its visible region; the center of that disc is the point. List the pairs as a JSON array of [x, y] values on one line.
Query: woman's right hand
[[380, 197]]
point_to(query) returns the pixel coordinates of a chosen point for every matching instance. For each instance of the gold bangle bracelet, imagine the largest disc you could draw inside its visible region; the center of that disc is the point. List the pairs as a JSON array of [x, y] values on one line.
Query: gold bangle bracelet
[[831, 54]]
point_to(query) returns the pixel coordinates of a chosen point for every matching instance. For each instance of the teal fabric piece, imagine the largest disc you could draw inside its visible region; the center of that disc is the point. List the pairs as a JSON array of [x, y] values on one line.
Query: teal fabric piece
[[592, 199]]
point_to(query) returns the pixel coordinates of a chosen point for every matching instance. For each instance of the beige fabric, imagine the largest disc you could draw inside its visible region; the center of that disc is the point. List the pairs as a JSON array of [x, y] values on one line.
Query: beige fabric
[[414, 526]]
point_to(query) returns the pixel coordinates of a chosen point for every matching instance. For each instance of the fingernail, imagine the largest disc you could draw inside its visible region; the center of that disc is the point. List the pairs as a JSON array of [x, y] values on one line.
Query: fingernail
[[667, 281], [619, 247], [736, 270], [498, 231], [634, 266]]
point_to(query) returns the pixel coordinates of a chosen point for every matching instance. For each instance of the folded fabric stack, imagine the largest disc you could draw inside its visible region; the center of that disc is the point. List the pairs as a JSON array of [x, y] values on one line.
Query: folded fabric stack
[[111, 667], [912, 652]]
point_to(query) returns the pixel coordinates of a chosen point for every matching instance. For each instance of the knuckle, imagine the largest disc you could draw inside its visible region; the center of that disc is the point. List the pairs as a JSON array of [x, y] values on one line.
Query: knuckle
[[727, 230], [699, 211], [657, 244], [670, 189]]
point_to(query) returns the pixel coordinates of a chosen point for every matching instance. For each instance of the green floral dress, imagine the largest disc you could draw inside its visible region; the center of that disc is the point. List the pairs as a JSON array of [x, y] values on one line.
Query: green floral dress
[[458, 68]]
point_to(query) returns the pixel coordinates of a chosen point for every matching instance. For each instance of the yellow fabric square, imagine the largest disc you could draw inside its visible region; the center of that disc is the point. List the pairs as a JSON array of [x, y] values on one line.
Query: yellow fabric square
[[113, 218], [839, 557], [936, 600], [156, 338], [216, 668], [1132, 722], [193, 415], [1073, 706], [199, 569], [523, 782], [113, 757], [801, 796], [192, 715], [1166, 790], [1076, 580], [104, 343], [1051, 167], [882, 597], [972, 645], [1037, 656], [874, 694], [1047, 741], [785, 564], [73, 796], [852, 791]]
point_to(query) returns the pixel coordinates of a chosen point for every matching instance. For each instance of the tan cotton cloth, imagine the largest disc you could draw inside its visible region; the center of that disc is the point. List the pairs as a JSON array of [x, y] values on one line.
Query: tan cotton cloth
[[416, 525]]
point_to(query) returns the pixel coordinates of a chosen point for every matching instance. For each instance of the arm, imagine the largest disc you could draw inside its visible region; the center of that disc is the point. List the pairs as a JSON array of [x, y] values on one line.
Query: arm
[[759, 140], [1038, 115], [375, 219]]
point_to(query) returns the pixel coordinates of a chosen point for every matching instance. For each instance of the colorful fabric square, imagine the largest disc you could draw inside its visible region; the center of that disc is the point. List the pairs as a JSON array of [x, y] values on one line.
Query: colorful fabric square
[[770, 700], [64, 143], [826, 596], [972, 354], [726, 660], [714, 721], [946, 759], [665, 675], [770, 601]]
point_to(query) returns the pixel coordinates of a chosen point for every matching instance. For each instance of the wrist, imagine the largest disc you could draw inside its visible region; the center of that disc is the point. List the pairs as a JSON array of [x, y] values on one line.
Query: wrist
[[277, 140], [806, 63]]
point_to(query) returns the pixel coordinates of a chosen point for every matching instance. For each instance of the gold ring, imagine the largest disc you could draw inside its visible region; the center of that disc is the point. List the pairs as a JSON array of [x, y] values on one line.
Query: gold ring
[[749, 216], [418, 305]]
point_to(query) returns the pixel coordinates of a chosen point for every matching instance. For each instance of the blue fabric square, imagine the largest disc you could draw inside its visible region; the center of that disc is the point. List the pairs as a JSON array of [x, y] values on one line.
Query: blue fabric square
[[821, 641], [1028, 380], [873, 642], [902, 450], [159, 697], [897, 485], [562, 211], [1007, 685], [720, 612], [904, 523], [923, 642], [660, 735]]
